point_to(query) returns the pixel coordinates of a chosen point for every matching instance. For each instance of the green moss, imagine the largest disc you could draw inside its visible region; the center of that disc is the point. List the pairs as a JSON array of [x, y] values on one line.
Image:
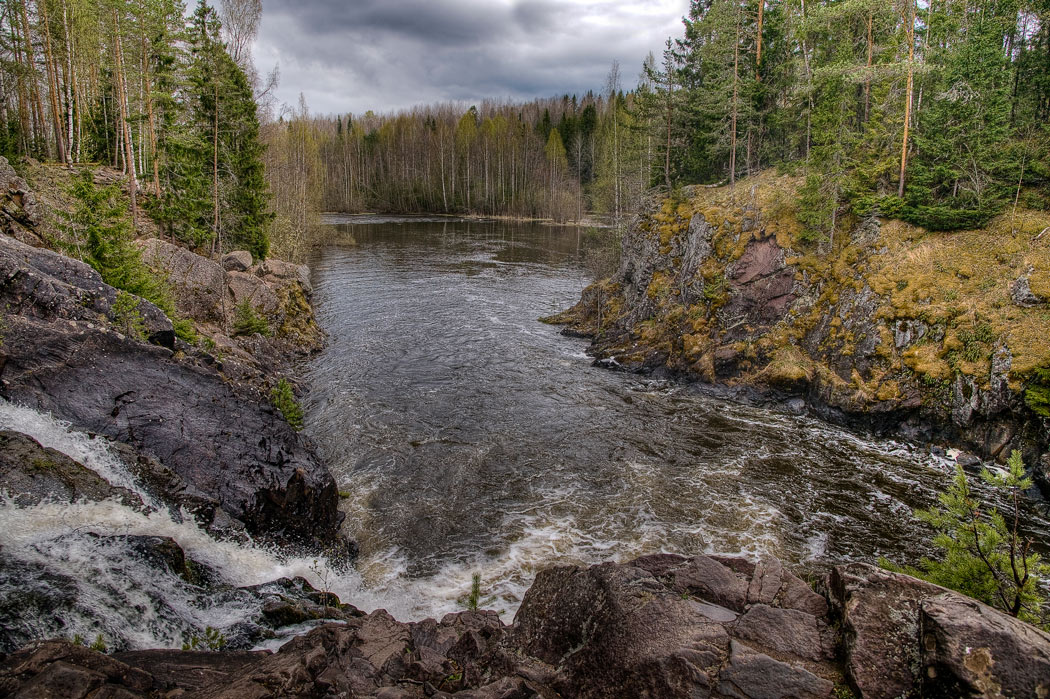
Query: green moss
[[1037, 395]]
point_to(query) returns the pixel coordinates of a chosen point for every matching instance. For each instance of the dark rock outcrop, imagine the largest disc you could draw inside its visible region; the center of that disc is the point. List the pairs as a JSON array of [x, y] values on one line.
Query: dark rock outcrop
[[31, 473], [60, 354], [646, 628], [726, 286]]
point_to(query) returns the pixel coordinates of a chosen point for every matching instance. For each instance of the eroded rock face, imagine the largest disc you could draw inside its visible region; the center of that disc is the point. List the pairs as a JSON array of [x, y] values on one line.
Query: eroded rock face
[[20, 213], [61, 354], [199, 283], [761, 289]]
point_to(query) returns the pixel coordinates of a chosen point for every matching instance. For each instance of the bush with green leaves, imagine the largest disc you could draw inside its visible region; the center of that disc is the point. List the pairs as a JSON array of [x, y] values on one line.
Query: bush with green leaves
[[474, 598], [213, 639], [126, 316], [985, 555], [284, 400], [248, 321]]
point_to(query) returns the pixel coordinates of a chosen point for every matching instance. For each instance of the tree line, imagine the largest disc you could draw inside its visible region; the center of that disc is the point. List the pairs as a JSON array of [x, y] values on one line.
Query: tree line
[[934, 111], [555, 157], [141, 87]]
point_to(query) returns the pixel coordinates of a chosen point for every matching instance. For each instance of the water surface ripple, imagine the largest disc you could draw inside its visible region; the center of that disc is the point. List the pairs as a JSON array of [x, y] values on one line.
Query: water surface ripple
[[471, 437]]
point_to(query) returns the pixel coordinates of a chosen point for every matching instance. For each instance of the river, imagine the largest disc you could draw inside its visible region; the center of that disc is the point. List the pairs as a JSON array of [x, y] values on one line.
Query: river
[[470, 437]]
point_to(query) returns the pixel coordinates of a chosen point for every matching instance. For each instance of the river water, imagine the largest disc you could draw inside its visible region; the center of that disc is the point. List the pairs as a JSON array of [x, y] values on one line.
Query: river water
[[468, 438], [472, 438]]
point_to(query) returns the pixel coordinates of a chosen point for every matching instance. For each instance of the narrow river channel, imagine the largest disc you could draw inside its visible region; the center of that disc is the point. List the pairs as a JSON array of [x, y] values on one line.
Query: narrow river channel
[[469, 437]]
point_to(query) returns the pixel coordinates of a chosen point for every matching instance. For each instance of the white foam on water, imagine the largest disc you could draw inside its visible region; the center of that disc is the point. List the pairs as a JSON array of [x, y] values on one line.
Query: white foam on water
[[92, 452]]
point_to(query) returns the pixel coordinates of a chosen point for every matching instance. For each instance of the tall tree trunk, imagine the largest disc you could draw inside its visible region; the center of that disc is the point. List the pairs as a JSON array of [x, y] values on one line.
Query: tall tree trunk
[[52, 82], [24, 118], [910, 33], [71, 78], [150, 115], [129, 149], [758, 46], [37, 103], [736, 94], [867, 75], [216, 243]]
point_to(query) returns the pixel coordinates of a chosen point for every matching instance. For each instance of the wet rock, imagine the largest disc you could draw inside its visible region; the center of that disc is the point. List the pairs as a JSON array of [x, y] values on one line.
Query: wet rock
[[61, 669], [752, 675], [28, 597], [162, 551], [880, 627], [287, 602], [222, 439], [32, 474], [237, 261], [190, 670], [606, 631], [972, 650]]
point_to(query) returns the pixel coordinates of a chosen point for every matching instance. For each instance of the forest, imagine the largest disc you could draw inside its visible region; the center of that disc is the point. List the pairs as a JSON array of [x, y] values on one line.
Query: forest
[[933, 111]]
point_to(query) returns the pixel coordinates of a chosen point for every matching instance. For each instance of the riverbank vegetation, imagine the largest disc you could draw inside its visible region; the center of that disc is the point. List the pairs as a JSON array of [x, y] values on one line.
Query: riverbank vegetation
[[931, 111]]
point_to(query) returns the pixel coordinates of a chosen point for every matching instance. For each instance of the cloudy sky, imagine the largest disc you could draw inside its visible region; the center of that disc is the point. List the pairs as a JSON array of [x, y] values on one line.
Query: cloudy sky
[[385, 55]]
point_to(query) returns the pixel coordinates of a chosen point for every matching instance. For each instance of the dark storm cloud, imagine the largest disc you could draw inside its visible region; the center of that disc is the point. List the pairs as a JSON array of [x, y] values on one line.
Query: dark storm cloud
[[386, 55]]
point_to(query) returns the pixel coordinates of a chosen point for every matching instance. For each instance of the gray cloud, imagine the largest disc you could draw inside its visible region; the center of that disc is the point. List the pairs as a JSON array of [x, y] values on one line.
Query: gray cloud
[[384, 55]]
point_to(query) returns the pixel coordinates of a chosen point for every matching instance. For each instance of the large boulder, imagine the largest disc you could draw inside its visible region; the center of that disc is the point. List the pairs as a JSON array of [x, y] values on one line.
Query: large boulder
[[280, 272], [879, 612], [248, 288], [39, 283], [31, 474], [237, 261], [971, 650], [198, 283], [658, 627]]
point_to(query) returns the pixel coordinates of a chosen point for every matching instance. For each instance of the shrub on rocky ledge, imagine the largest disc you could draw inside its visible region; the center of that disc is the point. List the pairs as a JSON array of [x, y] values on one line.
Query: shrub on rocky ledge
[[248, 321], [284, 400], [985, 555]]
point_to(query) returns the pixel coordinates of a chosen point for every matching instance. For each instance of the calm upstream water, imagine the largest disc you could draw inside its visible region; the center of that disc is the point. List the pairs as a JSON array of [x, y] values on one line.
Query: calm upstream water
[[471, 437]]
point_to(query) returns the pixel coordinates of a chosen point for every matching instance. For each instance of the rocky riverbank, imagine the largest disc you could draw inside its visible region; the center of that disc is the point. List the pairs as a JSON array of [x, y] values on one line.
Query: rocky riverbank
[[199, 429], [933, 336], [157, 433], [659, 626]]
